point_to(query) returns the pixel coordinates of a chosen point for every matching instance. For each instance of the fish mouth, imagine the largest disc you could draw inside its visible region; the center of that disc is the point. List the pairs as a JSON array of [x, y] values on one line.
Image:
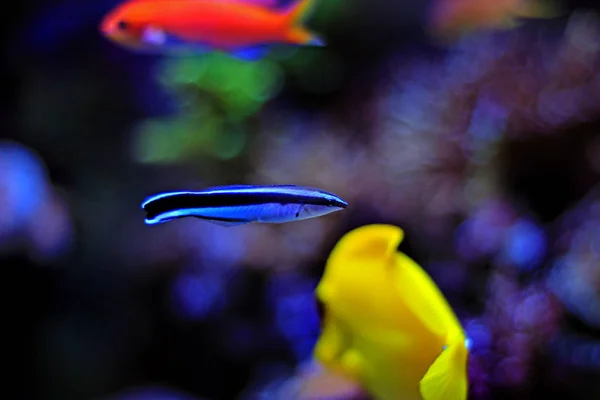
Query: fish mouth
[[340, 203], [109, 29], [106, 27]]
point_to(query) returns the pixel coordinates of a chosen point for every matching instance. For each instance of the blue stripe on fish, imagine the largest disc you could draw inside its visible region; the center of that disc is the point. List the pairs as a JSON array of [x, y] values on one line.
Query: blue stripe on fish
[[240, 204]]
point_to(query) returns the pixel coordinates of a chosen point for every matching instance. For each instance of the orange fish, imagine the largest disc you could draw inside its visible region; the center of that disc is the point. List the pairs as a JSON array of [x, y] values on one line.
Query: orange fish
[[242, 28], [452, 18]]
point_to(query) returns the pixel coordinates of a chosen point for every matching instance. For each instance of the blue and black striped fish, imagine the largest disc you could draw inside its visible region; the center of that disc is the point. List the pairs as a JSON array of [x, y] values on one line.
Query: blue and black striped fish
[[242, 204]]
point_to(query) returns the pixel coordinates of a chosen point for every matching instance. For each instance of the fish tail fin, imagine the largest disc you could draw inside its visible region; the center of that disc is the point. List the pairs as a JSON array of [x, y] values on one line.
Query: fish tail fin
[[538, 9], [446, 378], [293, 18], [296, 12], [302, 36]]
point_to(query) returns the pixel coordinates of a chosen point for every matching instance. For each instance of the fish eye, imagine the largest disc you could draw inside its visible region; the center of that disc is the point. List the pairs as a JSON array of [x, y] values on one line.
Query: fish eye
[[122, 25]]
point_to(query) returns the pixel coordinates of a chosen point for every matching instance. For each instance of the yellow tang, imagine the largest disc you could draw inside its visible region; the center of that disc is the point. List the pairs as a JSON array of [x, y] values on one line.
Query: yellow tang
[[386, 325]]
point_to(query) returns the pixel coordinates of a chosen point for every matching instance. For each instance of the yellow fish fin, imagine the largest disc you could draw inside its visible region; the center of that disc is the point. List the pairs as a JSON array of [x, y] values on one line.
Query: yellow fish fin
[[420, 293], [446, 378], [422, 296], [537, 9], [376, 241], [330, 343], [333, 351]]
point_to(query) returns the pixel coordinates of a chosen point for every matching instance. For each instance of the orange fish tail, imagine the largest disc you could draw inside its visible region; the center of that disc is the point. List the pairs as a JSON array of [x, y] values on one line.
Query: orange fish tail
[[292, 20], [302, 36]]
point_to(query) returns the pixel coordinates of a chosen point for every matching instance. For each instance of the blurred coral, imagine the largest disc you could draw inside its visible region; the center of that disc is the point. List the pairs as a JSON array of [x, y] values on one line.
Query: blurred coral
[[151, 393], [33, 214], [522, 321], [575, 277], [433, 139]]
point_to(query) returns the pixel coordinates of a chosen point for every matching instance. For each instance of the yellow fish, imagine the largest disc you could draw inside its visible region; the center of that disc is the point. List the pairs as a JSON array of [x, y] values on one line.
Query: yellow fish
[[386, 325]]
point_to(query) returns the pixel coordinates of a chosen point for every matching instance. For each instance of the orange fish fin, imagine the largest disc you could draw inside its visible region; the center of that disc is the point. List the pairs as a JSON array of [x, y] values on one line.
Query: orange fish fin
[[266, 3], [293, 17], [263, 3], [446, 378], [538, 9], [145, 1], [510, 22], [296, 12], [302, 36]]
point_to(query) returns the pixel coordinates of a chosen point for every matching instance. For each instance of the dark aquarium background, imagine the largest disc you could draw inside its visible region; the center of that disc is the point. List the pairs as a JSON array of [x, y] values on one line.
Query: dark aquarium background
[[485, 150]]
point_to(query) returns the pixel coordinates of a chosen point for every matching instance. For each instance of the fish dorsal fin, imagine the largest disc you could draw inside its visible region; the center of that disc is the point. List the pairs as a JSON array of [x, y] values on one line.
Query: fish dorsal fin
[[298, 10], [419, 292], [446, 378], [264, 3], [542, 9], [246, 186], [370, 241], [224, 187], [425, 300]]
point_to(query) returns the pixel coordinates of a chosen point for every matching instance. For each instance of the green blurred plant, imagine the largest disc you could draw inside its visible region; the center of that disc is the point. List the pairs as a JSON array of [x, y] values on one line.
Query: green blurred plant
[[218, 94]]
